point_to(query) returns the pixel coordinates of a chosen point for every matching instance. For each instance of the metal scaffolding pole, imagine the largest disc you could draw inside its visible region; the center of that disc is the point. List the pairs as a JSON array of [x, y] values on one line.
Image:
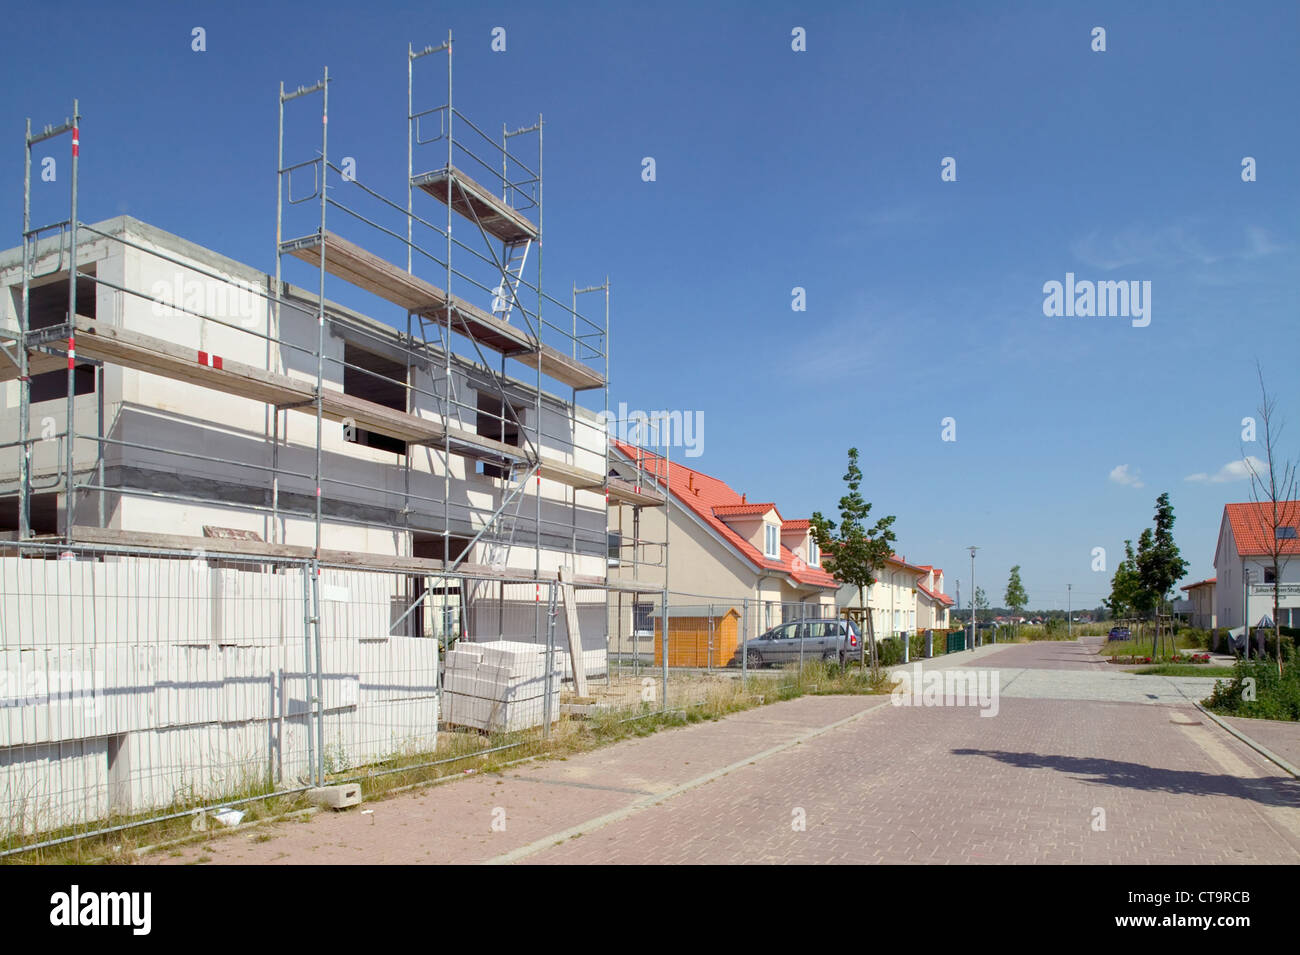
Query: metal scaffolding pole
[[30, 248], [311, 589], [24, 381], [70, 496], [446, 352]]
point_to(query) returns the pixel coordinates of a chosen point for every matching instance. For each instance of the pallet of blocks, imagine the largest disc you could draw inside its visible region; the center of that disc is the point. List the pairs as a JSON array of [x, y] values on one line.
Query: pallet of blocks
[[499, 686]]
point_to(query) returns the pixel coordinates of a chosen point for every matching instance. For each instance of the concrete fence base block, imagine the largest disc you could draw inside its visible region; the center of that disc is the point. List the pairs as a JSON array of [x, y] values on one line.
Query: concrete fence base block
[[336, 797]]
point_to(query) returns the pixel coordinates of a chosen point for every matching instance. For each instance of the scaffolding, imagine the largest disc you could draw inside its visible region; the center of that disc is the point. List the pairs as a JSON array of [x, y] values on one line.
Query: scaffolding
[[470, 305]]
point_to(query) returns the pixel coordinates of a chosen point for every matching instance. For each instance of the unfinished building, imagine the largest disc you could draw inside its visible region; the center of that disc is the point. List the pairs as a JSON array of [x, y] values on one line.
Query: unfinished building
[[246, 513]]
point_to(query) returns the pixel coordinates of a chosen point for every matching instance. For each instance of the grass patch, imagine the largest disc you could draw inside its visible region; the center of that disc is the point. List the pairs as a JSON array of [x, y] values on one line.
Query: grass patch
[[1184, 669], [461, 753]]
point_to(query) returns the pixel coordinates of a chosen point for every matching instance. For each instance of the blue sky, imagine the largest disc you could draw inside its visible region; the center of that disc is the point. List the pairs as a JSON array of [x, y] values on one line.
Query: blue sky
[[817, 169]]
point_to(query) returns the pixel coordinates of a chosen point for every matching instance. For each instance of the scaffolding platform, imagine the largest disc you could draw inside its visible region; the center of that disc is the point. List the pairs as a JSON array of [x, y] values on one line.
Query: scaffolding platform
[[348, 261], [626, 492], [239, 547], [477, 204], [38, 363], [96, 339]]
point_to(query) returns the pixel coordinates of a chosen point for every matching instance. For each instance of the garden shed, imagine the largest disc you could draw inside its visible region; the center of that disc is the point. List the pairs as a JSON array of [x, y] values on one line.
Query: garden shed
[[698, 636]]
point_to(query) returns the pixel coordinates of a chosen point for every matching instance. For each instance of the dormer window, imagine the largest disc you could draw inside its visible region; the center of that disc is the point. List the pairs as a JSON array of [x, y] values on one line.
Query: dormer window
[[814, 553], [771, 541]]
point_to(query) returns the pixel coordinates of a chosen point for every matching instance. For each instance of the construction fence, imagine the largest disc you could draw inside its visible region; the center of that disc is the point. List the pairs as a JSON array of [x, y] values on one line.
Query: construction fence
[[137, 684], [140, 685]]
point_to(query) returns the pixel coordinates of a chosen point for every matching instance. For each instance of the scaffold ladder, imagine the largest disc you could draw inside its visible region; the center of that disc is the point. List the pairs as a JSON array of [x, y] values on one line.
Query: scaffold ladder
[[514, 255]]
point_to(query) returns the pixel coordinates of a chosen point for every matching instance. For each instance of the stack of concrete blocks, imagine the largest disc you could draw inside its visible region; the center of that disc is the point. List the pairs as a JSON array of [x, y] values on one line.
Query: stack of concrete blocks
[[509, 611], [499, 686], [136, 683]]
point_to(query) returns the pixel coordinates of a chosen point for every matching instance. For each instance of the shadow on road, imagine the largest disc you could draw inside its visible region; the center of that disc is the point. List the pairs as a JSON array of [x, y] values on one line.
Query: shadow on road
[[1283, 793]]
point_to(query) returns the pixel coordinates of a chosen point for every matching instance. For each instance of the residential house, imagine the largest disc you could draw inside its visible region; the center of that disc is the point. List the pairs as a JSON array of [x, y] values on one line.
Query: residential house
[[1243, 564], [905, 598], [723, 552], [1200, 599], [932, 603]]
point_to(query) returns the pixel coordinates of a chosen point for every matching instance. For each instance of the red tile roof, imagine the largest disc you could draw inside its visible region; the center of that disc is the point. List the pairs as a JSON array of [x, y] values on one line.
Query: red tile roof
[[1252, 527], [1199, 583], [706, 496], [744, 510], [934, 594], [902, 562], [801, 524]]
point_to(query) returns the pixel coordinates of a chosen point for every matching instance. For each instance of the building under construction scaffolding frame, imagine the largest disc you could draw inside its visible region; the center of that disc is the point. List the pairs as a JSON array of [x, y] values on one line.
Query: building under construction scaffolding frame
[[500, 265]]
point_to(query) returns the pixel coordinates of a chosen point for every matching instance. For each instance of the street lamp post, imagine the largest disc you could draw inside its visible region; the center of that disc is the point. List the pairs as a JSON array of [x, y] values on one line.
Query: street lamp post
[[1069, 612], [974, 632]]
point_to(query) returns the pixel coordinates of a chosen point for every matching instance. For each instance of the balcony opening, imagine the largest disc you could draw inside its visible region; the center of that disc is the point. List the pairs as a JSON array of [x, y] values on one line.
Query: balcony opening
[[495, 420], [381, 380], [48, 307]]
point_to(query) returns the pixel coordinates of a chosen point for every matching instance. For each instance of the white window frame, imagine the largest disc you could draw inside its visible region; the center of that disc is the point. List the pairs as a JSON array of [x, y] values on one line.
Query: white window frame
[[771, 541], [814, 553]]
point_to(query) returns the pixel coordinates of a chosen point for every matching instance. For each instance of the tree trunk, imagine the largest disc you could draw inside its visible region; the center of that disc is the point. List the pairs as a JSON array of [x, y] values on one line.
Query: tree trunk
[[866, 632], [1277, 622]]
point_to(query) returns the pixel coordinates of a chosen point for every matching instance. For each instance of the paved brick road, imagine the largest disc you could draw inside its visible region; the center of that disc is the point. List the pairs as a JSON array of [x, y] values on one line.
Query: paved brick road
[[870, 782]]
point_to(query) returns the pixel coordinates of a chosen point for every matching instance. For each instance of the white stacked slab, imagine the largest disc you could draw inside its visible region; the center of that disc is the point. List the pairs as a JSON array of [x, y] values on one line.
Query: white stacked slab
[[136, 683], [499, 685]]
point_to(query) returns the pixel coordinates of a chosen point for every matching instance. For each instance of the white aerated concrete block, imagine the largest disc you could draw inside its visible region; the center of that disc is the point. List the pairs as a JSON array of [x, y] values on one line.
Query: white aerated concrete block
[[336, 797]]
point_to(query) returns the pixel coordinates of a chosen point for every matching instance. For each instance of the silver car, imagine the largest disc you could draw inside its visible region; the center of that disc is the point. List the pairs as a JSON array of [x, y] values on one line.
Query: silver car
[[835, 641]]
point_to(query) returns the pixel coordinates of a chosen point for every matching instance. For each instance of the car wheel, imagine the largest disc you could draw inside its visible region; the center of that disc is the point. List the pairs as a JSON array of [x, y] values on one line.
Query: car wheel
[[754, 658], [830, 656]]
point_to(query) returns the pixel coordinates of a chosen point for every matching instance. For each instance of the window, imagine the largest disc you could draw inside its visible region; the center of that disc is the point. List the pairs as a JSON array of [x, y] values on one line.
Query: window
[[771, 541], [814, 553], [1286, 533], [495, 419], [378, 379], [615, 542], [47, 307], [1269, 576], [643, 618]]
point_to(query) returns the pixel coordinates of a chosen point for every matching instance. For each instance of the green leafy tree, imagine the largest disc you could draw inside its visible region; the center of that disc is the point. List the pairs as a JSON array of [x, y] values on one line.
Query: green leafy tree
[[1124, 586], [1161, 566], [853, 552], [1015, 596], [1144, 600]]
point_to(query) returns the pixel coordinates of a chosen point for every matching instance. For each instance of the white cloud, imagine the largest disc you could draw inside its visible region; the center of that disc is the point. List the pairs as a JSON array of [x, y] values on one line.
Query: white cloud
[[1120, 474], [1232, 471], [1173, 245]]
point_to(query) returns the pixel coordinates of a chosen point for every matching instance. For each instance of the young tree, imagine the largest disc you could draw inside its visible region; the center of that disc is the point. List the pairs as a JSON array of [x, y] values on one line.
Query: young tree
[[1159, 563], [1273, 489], [853, 553], [981, 603], [1015, 596], [1124, 586]]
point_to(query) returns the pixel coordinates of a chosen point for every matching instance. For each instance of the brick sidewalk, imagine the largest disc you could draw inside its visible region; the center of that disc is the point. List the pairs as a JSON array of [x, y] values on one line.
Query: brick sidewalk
[[1280, 738], [452, 822]]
